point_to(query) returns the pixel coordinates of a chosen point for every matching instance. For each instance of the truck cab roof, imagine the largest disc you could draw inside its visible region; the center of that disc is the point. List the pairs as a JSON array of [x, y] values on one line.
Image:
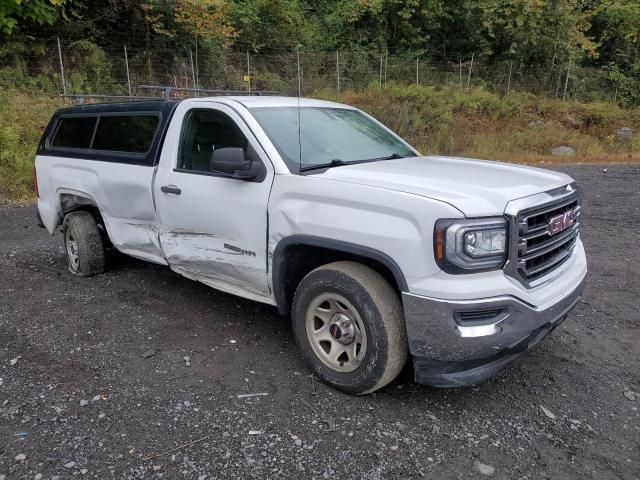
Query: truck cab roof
[[275, 101], [167, 105]]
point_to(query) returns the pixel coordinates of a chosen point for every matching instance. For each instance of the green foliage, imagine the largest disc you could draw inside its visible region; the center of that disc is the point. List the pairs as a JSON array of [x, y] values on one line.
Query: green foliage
[[419, 112], [481, 124], [624, 85], [15, 77], [14, 12], [206, 19], [267, 23], [92, 70], [618, 26], [22, 121], [542, 37]]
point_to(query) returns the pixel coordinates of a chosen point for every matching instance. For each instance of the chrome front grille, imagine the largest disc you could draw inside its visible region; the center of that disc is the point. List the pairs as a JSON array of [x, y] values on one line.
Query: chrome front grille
[[543, 237]]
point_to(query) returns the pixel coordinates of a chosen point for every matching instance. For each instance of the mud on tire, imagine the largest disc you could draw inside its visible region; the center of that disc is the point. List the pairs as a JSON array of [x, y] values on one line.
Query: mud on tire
[[377, 316]]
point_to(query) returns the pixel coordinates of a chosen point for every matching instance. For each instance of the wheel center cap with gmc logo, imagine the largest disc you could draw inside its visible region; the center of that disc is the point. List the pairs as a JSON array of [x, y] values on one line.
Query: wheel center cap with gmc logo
[[341, 329], [561, 222]]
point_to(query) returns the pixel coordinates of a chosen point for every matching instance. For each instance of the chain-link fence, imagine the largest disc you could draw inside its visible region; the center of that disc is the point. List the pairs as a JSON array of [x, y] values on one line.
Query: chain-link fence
[[78, 66]]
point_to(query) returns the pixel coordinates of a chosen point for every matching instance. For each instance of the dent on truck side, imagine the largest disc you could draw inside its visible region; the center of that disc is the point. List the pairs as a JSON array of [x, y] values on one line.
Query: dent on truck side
[[124, 201], [390, 227], [222, 268]]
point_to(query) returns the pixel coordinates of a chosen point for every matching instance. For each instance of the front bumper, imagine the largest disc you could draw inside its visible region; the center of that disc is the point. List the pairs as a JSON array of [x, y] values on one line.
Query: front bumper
[[457, 343]]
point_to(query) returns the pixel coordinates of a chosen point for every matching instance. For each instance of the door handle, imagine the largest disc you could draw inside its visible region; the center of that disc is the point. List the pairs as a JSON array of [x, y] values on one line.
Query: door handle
[[170, 189]]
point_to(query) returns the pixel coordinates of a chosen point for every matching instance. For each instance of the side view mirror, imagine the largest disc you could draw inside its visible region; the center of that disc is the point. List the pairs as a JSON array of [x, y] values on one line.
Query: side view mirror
[[232, 160]]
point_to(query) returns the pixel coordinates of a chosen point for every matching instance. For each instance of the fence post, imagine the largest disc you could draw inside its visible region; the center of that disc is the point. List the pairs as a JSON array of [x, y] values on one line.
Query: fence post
[[193, 71], [460, 61], [197, 72], [417, 71], [338, 69], [509, 82], [248, 73], [381, 60], [386, 62], [299, 76], [566, 80], [64, 84], [470, 70], [126, 63]]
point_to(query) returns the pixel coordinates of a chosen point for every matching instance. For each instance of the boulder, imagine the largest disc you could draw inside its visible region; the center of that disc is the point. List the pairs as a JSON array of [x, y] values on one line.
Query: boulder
[[625, 134], [563, 151], [573, 122]]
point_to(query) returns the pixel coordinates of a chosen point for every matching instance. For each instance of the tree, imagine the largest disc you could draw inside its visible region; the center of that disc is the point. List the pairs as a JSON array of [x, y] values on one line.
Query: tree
[[14, 12], [533, 32], [206, 19], [618, 26], [271, 24]]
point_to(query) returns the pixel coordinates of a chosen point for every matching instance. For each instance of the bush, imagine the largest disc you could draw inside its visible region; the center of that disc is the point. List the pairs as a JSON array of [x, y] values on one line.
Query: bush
[[420, 113], [90, 71], [482, 124], [22, 121], [15, 77]]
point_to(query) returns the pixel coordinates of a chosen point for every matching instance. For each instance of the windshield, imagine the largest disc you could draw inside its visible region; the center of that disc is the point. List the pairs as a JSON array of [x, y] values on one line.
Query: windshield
[[327, 135]]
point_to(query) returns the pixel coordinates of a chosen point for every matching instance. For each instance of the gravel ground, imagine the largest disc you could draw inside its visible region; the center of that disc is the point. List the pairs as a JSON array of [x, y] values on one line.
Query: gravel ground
[[78, 398]]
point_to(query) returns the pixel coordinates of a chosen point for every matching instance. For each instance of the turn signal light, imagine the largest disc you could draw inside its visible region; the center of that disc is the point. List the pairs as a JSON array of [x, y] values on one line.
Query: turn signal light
[[439, 244]]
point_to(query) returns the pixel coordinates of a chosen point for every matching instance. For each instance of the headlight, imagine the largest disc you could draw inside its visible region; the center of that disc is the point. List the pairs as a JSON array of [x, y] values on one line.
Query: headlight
[[470, 245]]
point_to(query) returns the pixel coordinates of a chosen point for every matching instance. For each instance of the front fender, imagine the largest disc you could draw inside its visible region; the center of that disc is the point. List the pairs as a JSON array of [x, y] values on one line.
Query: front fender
[[280, 258], [391, 227]]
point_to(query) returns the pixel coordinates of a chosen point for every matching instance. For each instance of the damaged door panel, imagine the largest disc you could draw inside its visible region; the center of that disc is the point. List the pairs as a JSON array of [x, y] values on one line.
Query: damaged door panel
[[212, 226]]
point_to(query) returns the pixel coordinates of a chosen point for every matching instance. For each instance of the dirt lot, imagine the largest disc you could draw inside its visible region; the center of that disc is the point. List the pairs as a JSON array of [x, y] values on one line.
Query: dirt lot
[[78, 399]]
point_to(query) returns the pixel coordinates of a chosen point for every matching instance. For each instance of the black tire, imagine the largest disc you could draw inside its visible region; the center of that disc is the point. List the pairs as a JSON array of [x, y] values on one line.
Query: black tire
[[80, 229], [379, 309]]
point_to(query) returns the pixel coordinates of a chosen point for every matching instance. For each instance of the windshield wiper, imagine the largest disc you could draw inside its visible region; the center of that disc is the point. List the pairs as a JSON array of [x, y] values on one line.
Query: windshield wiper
[[393, 156], [336, 162]]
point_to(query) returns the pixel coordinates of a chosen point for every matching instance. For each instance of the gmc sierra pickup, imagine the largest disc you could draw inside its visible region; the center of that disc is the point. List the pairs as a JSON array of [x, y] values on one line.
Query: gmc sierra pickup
[[375, 251]]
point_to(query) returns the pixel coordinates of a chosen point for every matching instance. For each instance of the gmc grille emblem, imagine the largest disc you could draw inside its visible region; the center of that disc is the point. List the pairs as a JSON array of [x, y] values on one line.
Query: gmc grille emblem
[[560, 223]]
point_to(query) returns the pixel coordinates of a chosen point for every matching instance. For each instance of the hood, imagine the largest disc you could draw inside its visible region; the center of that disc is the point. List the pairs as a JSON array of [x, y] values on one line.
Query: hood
[[475, 187]]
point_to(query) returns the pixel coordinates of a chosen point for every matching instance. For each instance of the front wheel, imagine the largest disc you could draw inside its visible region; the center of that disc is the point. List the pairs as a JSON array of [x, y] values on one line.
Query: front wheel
[[349, 325]]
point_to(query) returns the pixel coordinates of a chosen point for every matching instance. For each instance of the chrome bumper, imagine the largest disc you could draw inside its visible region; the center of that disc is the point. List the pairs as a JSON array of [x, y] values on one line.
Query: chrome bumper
[[452, 344]]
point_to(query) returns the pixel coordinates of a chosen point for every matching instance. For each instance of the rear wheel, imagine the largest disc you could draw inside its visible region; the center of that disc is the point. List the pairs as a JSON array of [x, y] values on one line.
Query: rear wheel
[[349, 325], [83, 244]]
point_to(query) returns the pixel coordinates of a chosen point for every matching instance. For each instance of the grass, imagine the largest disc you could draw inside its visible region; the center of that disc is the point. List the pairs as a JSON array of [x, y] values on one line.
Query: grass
[[519, 128], [23, 118]]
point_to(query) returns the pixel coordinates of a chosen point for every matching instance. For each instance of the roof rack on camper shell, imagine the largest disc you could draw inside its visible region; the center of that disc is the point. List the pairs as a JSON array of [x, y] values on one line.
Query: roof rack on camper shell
[[157, 92]]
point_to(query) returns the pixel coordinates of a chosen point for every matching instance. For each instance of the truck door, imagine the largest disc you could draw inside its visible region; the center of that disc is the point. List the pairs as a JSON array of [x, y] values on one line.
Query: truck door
[[212, 227]]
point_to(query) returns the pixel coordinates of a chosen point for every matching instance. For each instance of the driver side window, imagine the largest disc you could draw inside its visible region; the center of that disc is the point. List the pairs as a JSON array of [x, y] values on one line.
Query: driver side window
[[204, 131]]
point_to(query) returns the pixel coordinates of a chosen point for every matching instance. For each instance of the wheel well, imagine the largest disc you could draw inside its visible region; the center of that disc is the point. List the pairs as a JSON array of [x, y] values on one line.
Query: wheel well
[[72, 203], [294, 261]]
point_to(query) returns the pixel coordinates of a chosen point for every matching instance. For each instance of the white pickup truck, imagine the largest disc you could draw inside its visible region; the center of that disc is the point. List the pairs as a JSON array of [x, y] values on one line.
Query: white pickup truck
[[375, 251]]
